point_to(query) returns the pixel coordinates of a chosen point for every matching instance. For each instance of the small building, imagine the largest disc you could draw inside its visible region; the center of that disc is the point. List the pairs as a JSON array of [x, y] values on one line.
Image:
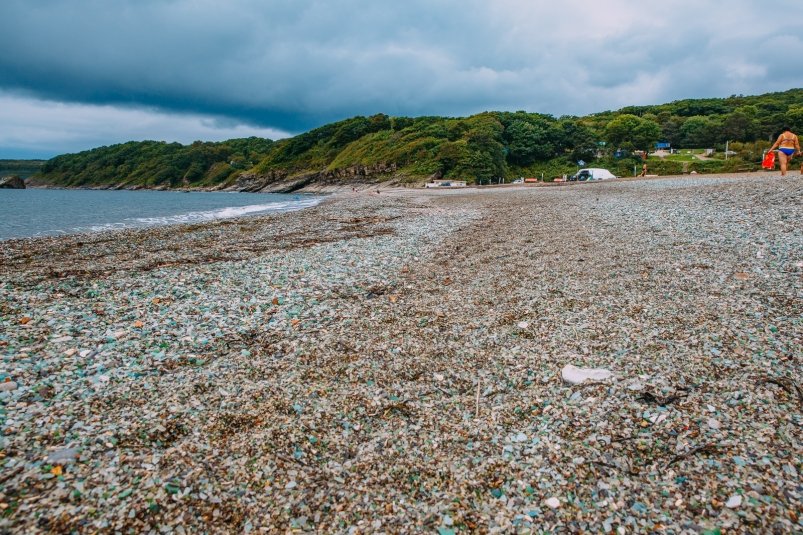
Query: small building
[[446, 184]]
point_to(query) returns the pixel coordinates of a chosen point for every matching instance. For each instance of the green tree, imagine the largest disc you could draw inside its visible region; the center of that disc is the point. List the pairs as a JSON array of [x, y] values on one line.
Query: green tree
[[482, 166], [699, 131], [450, 155], [528, 142], [646, 134], [670, 131], [486, 153], [795, 119], [740, 125], [578, 140], [631, 132]]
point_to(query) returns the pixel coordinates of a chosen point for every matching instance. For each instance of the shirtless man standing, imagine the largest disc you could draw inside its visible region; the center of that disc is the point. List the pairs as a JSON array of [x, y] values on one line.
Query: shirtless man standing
[[788, 145]]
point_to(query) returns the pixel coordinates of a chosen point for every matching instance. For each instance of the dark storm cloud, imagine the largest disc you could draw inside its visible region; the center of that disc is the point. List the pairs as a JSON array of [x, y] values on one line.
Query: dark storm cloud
[[279, 64], [294, 65]]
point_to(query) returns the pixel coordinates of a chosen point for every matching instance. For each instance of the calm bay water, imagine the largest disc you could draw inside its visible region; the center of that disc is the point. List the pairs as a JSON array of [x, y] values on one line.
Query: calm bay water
[[48, 212]]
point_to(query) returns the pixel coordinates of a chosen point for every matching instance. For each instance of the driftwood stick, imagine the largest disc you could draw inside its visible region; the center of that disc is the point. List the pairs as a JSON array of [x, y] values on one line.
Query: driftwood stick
[[477, 409], [693, 451], [649, 397], [787, 385]]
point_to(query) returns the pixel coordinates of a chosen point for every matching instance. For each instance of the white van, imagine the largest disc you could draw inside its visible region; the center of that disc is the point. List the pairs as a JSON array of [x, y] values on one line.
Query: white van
[[594, 173]]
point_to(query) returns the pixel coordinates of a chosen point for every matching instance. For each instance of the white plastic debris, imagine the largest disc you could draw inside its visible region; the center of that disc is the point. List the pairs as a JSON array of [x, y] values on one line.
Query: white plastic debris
[[713, 423], [63, 456], [734, 501], [574, 375], [658, 418], [552, 502]]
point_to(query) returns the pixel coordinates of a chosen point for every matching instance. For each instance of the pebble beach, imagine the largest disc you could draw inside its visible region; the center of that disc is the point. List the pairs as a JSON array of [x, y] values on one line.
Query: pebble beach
[[400, 363]]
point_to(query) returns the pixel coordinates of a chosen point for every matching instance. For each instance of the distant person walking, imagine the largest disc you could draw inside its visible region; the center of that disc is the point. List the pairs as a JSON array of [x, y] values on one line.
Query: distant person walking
[[788, 145], [643, 170]]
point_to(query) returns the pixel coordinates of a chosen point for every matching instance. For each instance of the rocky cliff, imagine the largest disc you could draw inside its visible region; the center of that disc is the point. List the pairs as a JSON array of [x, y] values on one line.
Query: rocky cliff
[[280, 181], [12, 182]]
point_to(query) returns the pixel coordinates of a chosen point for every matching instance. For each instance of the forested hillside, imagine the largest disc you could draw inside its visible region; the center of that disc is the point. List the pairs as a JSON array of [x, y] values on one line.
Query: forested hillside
[[480, 148], [20, 168], [157, 164]]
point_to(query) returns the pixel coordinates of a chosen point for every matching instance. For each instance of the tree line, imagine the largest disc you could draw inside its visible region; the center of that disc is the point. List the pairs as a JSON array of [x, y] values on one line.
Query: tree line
[[480, 148], [157, 164]]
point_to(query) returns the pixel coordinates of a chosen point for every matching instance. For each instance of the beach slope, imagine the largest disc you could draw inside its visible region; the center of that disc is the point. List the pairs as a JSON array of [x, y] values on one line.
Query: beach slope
[[393, 362]]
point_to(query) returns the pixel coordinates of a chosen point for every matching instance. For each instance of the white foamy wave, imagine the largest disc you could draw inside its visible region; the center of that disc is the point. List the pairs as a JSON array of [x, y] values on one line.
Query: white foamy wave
[[226, 213], [208, 215]]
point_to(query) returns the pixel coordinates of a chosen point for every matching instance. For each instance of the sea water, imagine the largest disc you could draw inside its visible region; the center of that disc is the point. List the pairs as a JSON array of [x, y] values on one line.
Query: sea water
[[49, 212]]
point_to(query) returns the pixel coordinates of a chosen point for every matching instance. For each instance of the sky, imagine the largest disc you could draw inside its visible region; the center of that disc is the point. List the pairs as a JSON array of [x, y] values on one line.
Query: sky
[[79, 74]]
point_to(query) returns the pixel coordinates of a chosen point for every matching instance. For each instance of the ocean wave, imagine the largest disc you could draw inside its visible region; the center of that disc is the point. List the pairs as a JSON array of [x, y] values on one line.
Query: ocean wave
[[207, 215]]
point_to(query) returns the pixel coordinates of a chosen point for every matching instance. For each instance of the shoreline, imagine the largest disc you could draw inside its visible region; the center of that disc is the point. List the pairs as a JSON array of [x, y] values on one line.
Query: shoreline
[[389, 187], [391, 184], [393, 362]]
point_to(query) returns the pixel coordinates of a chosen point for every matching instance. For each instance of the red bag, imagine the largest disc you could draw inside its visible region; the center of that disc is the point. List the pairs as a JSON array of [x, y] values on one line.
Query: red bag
[[769, 160]]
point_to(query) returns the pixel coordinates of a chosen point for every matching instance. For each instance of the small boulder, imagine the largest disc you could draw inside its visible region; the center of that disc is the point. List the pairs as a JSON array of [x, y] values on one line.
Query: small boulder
[[8, 386], [12, 182]]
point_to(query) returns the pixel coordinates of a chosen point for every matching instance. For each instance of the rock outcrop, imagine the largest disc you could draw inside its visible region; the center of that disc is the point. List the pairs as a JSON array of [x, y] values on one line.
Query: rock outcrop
[[12, 182], [366, 172], [280, 181], [252, 182]]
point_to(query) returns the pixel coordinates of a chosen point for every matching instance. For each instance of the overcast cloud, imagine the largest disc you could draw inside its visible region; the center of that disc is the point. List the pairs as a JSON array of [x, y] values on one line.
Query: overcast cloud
[[75, 74]]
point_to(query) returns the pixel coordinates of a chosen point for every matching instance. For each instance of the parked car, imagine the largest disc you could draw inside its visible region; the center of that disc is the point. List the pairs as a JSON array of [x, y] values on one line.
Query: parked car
[[519, 180]]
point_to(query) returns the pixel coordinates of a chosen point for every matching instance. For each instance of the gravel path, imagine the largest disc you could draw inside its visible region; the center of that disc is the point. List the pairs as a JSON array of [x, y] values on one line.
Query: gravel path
[[392, 363]]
